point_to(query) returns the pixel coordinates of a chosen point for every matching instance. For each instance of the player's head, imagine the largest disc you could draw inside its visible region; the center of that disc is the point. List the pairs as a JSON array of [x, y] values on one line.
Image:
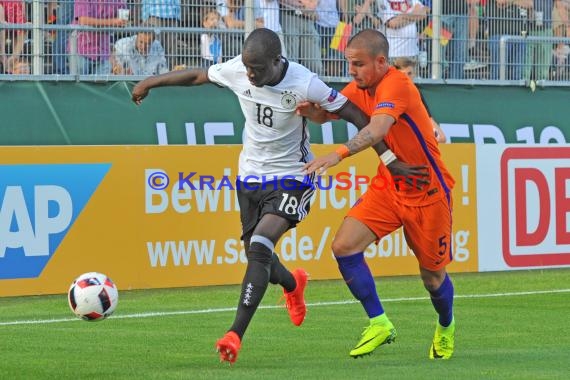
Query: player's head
[[261, 56], [367, 56], [406, 65]]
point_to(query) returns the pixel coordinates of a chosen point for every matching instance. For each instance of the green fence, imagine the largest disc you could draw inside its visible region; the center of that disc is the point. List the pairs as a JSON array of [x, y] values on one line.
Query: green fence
[[64, 113]]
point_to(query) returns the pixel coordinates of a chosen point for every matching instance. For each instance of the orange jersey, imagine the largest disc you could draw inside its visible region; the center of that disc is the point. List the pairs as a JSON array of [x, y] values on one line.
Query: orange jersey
[[411, 137]]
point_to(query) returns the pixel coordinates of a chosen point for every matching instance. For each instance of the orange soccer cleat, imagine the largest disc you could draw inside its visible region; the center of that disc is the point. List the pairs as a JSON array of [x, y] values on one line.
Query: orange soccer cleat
[[228, 347], [295, 300]]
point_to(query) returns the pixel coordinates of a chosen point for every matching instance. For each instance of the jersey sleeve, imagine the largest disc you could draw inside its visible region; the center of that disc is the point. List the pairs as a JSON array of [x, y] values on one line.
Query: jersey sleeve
[[222, 73], [327, 97], [393, 99]]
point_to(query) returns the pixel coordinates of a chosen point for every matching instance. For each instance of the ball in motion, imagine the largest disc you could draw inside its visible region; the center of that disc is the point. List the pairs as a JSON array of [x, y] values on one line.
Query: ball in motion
[[93, 296]]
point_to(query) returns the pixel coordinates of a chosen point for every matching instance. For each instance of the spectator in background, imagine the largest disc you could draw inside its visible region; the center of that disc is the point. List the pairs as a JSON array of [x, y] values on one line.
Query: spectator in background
[[360, 13], [164, 14], [474, 52], [408, 67], [561, 28], [455, 18], [233, 16], [233, 13], [327, 20], [20, 66], [141, 54], [210, 43], [507, 17], [93, 48], [11, 12], [539, 54], [270, 10], [301, 36], [64, 16], [400, 18]]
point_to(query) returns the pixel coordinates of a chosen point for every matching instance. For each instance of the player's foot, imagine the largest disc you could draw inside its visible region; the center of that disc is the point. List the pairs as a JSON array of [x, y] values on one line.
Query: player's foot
[[228, 347], [373, 337], [443, 342], [295, 299]]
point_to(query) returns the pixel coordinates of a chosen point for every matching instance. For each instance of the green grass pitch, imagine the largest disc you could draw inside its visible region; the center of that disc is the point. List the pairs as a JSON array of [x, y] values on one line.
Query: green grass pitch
[[512, 325]]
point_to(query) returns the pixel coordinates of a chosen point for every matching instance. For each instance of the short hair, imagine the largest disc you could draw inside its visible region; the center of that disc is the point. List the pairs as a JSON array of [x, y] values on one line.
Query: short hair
[[206, 11], [403, 62], [371, 40], [148, 24], [263, 40]]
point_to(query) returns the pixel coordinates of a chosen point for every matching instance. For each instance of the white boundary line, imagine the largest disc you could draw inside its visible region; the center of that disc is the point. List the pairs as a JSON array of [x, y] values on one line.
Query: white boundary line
[[228, 309]]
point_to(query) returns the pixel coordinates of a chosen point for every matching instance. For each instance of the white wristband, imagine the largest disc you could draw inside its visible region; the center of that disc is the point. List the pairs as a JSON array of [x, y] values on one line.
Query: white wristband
[[388, 157]]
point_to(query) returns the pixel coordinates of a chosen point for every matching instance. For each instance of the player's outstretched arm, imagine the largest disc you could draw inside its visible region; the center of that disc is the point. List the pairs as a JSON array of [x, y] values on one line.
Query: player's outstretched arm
[[368, 136], [191, 77], [415, 175], [349, 112]]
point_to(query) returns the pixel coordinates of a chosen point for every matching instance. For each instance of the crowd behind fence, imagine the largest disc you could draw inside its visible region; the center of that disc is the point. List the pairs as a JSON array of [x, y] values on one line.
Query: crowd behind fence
[[480, 41]]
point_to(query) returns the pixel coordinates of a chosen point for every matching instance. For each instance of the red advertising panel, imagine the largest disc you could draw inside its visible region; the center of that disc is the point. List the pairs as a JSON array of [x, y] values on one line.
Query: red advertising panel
[[535, 197]]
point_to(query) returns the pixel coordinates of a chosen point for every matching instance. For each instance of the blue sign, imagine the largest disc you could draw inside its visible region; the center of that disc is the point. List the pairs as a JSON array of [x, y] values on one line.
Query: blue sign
[[38, 206]]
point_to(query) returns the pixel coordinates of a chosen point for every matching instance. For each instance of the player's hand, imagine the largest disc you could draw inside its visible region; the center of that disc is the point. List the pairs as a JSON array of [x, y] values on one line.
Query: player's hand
[[140, 91], [320, 164], [413, 175], [313, 112]]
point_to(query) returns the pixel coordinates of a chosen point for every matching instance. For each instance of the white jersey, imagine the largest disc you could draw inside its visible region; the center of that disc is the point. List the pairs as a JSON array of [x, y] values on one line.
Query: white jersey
[[403, 41], [276, 139]]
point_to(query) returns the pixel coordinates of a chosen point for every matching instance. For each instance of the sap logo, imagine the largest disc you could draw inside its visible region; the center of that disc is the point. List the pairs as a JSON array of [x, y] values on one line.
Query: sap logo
[[38, 206], [14, 212]]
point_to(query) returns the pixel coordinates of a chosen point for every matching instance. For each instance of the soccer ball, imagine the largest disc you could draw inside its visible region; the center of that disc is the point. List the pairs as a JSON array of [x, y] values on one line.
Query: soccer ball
[[93, 296]]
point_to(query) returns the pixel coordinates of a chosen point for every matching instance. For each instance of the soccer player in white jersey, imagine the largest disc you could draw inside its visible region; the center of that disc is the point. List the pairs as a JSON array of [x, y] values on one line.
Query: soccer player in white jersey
[[276, 145]]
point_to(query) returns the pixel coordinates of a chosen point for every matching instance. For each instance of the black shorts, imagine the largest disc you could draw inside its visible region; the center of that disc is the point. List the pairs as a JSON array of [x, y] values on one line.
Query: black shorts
[[289, 199]]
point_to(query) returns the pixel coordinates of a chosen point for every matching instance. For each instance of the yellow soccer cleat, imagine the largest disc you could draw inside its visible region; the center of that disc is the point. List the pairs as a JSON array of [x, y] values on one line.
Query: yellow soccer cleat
[[443, 342], [373, 337]]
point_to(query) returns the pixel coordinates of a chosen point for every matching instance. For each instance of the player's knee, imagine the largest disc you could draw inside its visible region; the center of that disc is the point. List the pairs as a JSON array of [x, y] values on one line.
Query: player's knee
[[260, 249], [432, 280], [431, 285], [341, 247]]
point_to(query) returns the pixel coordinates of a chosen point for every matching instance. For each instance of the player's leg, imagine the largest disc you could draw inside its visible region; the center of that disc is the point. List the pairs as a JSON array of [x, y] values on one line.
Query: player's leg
[[358, 230], [278, 275], [439, 285], [255, 281], [293, 283], [428, 233], [265, 218], [259, 260]]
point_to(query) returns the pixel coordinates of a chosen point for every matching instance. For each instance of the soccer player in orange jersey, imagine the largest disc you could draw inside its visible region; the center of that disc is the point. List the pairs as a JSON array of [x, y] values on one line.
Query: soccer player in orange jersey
[[398, 116]]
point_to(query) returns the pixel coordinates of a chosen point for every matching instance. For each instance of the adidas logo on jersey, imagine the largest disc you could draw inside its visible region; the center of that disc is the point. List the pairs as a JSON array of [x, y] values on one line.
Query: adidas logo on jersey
[[247, 93]]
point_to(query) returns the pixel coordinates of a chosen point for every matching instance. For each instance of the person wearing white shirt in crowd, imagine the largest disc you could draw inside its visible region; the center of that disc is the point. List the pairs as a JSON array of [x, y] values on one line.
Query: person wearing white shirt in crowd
[[270, 10], [141, 54], [400, 18]]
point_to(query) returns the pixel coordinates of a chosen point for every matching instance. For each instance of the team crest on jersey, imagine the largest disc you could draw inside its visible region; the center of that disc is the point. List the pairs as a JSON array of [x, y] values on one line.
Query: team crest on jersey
[[288, 100]]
